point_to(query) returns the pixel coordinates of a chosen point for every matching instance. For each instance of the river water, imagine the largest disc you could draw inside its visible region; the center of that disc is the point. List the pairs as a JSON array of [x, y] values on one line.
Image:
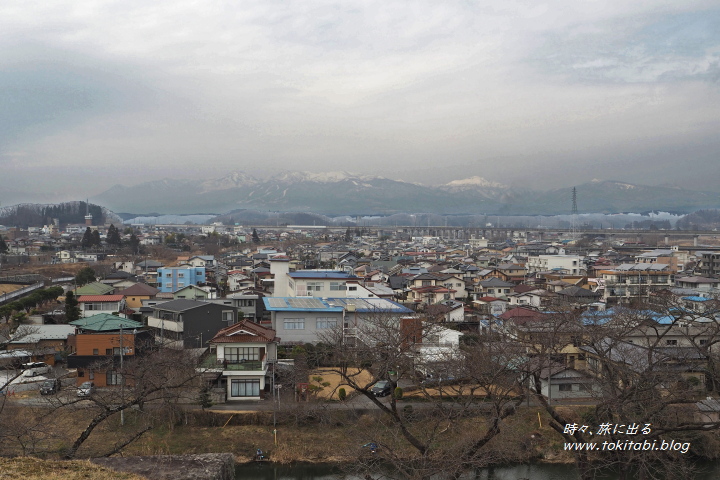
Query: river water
[[268, 471]]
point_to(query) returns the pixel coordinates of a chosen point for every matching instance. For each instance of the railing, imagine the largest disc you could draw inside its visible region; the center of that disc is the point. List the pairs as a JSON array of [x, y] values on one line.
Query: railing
[[244, 366], [6, 297]]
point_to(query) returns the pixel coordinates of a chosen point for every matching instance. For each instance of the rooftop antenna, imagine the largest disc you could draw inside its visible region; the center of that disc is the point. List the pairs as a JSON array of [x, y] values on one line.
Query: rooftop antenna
[[574, 214]]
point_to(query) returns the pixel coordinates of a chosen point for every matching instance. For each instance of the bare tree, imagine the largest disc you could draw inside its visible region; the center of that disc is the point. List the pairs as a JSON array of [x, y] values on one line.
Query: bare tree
[[479, 381], [647, 368], [152, 383]]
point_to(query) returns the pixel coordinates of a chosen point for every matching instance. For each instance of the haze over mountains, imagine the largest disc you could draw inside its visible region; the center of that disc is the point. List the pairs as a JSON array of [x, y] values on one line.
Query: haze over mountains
[[342, 193]]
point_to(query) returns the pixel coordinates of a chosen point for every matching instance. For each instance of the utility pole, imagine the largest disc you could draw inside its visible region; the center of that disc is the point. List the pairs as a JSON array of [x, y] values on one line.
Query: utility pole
[[122, 376]]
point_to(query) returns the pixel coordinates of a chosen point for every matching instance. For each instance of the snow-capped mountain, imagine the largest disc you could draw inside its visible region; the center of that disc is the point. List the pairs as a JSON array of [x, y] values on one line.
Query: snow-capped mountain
[[473, 182], [344, 193]]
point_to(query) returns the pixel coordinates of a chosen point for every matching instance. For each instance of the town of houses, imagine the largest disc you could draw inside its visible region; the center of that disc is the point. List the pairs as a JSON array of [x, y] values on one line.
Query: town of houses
[[247, 296]]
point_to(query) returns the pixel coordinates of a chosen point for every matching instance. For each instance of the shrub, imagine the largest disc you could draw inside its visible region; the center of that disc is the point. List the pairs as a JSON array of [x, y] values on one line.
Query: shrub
[[398, 394], [342, 394]]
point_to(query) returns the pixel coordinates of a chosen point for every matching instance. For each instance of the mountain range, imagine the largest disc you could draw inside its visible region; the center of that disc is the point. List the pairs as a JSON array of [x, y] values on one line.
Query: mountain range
[[342, 193]]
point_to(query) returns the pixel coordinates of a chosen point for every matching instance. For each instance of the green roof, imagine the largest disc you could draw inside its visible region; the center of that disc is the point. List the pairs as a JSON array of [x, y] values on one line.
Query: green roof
[[95, 288], [104, 322]]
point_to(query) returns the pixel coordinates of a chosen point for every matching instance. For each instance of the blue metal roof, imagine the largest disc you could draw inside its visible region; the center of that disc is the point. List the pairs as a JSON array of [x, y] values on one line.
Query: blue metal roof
[[695, 298], [310, 304]]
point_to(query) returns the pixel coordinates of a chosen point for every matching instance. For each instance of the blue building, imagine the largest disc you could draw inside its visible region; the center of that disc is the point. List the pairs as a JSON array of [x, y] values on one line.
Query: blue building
[[171, 279]]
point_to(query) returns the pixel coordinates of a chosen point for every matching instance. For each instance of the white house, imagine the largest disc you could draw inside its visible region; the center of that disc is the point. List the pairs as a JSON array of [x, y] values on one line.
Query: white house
[[570, 264], [243, 352]]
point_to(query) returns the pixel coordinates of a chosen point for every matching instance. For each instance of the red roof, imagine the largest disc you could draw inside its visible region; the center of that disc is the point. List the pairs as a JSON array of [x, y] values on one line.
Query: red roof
[[490, 299], [100, 298], [522, 315]]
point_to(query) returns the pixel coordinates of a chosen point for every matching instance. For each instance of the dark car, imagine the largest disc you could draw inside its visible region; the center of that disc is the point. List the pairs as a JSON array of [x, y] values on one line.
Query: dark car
[[382, 388], [50, 387]]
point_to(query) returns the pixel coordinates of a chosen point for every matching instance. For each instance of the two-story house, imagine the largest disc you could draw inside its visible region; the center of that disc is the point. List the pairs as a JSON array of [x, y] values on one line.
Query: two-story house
[[189, 323], [98, 343], [243, 352], [171, 279], [308, 320]]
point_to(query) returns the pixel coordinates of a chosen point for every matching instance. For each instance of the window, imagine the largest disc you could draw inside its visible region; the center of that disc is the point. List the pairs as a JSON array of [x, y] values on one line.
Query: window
[[670, 342], [181, 275], [245, 388], [168, 275], [565, 387], [352, 289], [81, 373], [228, 316], [181, 284], [314, 286], [108, 351], [241, 354], [326, 323], [337, 286], [294, 324], [113, 378], [96, 351]]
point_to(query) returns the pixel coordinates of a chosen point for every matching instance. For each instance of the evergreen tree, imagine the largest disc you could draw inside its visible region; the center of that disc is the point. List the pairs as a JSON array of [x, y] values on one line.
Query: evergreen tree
[[72, 311], [85, 276], [96, 238], [255, 237], [3, 245], [134, 244], [87, 240], [113, 236]]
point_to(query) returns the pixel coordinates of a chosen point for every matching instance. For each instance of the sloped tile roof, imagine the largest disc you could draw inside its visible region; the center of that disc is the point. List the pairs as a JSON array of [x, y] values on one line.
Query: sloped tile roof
[[245, 332]]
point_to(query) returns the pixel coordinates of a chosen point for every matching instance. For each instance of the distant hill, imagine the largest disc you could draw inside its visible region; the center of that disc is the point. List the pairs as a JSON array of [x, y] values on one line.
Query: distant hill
[[36, 215], [342, 193]]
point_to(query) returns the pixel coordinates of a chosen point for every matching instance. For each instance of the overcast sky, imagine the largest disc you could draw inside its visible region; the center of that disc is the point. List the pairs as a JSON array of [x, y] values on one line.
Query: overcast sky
[[550, 94]]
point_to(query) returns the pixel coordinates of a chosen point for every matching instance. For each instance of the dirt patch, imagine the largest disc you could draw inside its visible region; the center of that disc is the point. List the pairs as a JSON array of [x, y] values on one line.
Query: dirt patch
[[10, 287], [335, 381]]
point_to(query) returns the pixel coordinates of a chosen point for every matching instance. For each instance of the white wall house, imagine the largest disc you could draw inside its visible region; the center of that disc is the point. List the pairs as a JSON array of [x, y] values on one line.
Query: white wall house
[[570, 264], [242, 353]]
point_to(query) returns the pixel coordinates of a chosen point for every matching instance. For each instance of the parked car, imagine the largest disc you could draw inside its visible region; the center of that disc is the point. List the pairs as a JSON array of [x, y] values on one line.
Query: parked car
[[382, 388], [35, 369], [86, 389], [50, 387]]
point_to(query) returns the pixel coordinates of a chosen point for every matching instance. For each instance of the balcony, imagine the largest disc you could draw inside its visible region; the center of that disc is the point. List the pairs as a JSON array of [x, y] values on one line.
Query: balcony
[[212, 363]]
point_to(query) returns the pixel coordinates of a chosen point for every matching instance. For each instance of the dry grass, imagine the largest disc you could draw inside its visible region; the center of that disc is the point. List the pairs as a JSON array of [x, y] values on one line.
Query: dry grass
[[34, 469], [314, 435], [331, 391]]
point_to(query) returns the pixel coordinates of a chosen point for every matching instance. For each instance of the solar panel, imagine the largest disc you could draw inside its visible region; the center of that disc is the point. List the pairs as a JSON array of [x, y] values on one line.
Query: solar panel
[[277, 302], [305, 303]]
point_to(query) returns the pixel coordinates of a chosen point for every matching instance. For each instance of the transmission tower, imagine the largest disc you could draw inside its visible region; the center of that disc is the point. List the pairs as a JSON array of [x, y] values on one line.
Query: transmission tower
[[574, 214]]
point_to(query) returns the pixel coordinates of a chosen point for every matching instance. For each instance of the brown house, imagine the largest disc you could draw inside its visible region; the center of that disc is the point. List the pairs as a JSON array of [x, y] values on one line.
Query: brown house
[[98, 345]]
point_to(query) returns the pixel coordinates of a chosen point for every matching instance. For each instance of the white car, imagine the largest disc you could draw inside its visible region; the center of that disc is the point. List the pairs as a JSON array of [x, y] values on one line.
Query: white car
[[35, 369], [86, 389]]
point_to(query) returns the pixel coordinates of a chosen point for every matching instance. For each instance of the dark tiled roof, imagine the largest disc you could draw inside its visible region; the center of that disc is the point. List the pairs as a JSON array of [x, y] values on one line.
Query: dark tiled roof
[[245, 332]]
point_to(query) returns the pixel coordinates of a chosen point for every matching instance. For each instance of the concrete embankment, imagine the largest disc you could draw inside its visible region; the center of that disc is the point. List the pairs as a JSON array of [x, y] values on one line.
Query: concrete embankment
[[209, 466]]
